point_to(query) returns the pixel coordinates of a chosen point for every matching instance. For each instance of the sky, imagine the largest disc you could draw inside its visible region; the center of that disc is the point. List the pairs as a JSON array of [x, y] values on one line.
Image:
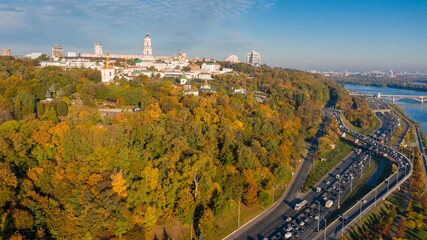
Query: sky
[[303, 34]]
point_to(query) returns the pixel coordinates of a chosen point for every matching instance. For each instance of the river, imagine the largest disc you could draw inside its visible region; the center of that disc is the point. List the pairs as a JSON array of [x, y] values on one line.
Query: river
[[413, 108]]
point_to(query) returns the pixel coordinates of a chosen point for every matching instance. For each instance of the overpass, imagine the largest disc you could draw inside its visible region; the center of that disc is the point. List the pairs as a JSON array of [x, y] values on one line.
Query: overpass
[[393, 98]]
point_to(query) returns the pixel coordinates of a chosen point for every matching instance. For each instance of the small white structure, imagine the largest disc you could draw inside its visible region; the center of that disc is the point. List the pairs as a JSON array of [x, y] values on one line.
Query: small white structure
[[240, 90], [192, 92], [184, 80], [108, 72]]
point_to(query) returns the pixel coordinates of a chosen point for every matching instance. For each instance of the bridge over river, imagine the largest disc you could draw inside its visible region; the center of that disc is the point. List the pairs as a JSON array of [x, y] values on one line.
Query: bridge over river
[[393, 98]]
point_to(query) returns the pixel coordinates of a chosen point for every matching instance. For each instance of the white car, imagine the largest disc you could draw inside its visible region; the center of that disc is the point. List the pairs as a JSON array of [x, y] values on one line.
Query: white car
[[288, 235]]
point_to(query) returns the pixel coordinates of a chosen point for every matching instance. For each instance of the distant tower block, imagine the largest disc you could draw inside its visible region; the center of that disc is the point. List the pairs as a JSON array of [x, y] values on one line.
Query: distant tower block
[[98, 48], [5, 52]]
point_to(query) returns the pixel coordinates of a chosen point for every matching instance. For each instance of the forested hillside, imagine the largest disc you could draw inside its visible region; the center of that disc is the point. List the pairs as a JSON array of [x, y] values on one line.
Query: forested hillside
[[68, 173]]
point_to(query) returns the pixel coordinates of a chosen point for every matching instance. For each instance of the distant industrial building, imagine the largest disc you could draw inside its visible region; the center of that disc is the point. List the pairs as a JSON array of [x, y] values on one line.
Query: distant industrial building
[[57, 51], [98, 48], [253, 58], [5, 52]]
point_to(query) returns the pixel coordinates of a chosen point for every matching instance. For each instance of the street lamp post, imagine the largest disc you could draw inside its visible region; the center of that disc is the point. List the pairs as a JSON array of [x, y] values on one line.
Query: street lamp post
[[342, 226], [318, 220], [376, 197], [339, 195], [238, 216], [272, 200], [360, 214], [324, 230]]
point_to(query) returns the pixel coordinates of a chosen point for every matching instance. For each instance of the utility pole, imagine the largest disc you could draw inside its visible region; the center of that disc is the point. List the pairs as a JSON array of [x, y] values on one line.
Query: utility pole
[[376, 196], [238, 216], [339, 195], [272, 200]]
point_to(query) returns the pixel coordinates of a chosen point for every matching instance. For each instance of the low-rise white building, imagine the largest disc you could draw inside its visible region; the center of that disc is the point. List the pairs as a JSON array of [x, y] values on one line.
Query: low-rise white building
[[210, 67], [204, 76], [240, 90]]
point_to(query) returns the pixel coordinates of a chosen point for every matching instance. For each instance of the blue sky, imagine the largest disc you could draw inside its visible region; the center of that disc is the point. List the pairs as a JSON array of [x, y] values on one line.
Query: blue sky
[[303, 34]]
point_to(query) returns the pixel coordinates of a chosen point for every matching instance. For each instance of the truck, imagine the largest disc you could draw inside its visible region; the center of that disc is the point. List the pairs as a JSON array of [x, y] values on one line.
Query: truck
[[300, 205], [329, 203]]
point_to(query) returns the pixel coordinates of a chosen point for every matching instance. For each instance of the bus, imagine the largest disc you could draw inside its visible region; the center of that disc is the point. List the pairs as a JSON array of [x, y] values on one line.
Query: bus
[[300, 205]]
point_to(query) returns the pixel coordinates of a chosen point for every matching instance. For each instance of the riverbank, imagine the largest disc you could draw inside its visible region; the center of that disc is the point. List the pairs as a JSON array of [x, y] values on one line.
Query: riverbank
[[414, 109]]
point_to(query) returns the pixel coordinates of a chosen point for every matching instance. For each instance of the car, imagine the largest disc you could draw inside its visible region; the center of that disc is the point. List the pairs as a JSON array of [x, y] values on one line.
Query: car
[[288, 235], [288, 229], [301, 229], [325, 198], [328, 182], [301, 223], [288, 219], [306, 219], [364, 201], [316, 217], [318, 189], [297, 234]]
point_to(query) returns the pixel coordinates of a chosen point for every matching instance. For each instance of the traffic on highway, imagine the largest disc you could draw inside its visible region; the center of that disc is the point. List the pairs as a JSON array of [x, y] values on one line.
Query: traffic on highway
[[304, 216]]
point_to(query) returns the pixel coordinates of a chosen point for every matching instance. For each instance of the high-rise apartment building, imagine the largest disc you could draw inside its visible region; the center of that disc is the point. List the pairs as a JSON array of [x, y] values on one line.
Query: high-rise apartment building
[[57, 51], [253, 58], [5, 52], [98, 48]]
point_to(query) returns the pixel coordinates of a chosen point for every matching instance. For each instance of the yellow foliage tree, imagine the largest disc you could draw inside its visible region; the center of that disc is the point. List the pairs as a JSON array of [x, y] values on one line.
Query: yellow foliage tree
[[119, 184]]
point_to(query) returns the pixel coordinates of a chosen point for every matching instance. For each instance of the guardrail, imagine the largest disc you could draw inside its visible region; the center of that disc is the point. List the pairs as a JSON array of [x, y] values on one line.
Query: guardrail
[[373, 191]]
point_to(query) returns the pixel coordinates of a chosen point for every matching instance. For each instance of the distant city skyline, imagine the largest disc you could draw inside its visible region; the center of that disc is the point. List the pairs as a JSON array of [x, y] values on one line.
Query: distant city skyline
[[340, 35]]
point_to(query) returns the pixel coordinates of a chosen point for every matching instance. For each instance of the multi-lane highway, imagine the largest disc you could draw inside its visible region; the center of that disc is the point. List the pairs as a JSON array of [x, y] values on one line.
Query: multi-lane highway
[[265, 223], [403, 172], [284, 221]]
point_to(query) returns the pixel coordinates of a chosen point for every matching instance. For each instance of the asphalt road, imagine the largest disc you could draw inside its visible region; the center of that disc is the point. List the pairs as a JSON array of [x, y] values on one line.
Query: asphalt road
[[274, 224], [334, 230], [258, 228]]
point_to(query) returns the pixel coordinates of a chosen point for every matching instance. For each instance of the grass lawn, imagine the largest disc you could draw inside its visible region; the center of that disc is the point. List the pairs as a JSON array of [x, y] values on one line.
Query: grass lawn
[[365, 132], [373, 216], [319, 169]]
